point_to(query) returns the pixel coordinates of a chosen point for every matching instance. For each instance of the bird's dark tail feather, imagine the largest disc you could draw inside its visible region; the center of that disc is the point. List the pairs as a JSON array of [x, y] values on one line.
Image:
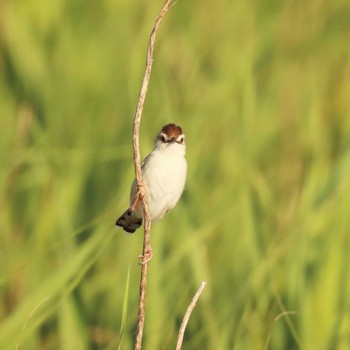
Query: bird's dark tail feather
[[129, 222]]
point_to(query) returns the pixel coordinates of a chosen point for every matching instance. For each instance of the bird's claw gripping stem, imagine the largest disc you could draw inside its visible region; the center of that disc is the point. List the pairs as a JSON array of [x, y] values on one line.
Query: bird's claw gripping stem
[[140, 194], [146, 257]]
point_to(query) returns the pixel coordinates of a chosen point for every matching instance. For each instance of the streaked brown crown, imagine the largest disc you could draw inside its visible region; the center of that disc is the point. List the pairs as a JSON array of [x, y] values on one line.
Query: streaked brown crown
[[172, 130]]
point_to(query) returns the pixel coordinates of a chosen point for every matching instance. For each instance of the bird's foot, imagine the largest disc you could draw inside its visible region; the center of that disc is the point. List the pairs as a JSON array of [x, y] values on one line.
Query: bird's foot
[[140, 194], [146, 257]]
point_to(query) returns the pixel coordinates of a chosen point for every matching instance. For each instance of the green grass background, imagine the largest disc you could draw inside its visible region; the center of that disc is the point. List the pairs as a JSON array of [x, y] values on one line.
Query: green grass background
[[262, 90]]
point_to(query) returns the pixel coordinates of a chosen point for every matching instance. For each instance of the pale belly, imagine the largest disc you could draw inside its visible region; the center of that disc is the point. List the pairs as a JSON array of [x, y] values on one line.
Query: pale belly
[[165, 179]]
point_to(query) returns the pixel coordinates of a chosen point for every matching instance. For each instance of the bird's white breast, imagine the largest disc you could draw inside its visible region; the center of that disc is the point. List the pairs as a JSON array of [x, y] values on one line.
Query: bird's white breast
[[164, 173]]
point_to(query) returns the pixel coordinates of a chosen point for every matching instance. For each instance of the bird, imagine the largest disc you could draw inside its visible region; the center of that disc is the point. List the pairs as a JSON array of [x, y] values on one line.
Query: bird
[[164, 173]]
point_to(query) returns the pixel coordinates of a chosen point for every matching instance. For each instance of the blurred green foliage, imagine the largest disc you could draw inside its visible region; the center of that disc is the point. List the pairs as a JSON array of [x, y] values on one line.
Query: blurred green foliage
[[262, 90]]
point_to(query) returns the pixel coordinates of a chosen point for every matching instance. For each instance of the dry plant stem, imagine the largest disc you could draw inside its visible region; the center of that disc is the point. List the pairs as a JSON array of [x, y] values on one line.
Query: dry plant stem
[[188, 314], [141, 188]]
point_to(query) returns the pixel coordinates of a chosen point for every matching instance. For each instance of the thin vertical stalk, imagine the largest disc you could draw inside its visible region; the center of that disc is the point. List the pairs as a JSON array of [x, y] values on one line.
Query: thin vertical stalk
[[146, 253]]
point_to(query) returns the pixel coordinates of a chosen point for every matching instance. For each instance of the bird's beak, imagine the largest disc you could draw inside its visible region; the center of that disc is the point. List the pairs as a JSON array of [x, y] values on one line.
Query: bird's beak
[[172, 140]]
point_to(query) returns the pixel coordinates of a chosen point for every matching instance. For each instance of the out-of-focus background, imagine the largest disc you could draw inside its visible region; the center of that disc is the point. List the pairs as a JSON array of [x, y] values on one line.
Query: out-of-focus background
[[262, 91]]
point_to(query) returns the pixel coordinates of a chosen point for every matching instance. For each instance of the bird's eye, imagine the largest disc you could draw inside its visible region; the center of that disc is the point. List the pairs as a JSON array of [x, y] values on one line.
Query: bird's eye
[[162, 138], [181, 140]]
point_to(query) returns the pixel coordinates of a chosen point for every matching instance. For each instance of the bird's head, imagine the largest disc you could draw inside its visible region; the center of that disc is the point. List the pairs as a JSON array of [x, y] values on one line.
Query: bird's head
[[171, 135]]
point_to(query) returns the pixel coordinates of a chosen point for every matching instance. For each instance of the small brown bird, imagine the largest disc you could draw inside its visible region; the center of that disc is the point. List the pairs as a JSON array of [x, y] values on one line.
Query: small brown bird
[[164, 173]]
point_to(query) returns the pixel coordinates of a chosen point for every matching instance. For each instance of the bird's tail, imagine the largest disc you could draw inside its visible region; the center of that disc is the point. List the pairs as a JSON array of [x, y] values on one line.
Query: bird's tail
[[129, 221]]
